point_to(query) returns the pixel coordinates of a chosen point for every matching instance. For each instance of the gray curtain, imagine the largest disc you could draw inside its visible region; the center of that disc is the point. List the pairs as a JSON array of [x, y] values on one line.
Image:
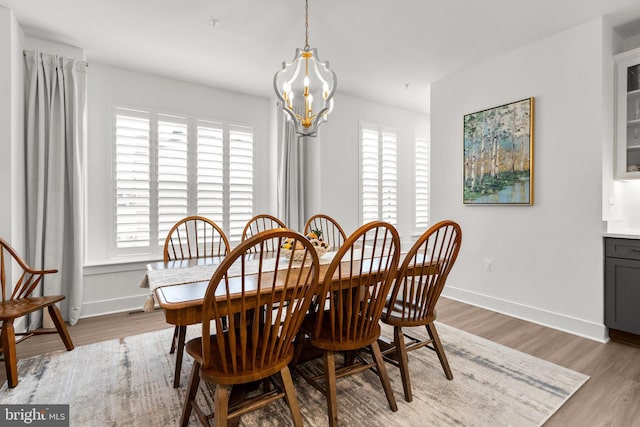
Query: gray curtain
[[55, 111], [291, 207]]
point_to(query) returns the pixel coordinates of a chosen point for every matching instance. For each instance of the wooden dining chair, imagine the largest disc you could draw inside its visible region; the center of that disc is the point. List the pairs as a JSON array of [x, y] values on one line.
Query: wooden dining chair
[[332, 232], [192, 237], [412, 301], [258, 342], [352, 296], [260, 223], [20, 302]]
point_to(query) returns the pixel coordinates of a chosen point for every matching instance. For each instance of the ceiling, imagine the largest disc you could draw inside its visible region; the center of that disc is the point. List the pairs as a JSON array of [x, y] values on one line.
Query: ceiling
[[383, 51]]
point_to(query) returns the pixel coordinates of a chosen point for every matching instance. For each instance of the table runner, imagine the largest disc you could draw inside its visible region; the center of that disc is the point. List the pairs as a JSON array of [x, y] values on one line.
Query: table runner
[[174, 276]]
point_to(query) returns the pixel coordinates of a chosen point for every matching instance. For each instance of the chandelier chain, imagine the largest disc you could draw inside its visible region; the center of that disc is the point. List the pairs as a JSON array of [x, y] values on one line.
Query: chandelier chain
[[306, 25]]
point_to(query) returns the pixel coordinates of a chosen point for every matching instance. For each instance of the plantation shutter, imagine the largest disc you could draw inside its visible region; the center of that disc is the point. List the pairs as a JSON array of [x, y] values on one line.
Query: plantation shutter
[[389, 179], [240, 179], [370, 174], [172, 173], [422, 165], [210, 171], [132, 158]]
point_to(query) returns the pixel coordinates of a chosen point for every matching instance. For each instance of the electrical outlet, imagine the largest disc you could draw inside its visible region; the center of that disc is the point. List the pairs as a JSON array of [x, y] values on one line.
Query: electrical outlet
[[488, 264]]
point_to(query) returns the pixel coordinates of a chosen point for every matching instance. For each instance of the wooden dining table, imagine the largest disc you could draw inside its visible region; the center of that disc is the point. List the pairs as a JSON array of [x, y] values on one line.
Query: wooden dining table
[[182, 302]]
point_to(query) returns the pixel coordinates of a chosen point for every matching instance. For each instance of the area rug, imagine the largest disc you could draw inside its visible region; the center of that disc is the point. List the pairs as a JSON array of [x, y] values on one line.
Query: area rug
[[128, 382]]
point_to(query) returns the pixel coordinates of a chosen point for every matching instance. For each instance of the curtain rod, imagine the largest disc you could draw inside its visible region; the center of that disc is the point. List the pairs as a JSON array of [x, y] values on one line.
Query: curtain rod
[[24, 53]]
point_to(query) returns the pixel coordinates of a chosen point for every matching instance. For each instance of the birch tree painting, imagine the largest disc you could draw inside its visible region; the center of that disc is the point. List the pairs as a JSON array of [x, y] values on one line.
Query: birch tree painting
[[498, 155]]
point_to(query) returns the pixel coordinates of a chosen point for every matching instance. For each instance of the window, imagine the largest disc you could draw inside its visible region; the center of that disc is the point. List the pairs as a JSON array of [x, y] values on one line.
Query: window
[[378, 174], [169, 167], [421, 156]]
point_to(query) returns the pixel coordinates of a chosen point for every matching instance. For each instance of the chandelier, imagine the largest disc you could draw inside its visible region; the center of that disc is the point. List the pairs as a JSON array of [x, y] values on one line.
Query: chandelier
[[305, 87]]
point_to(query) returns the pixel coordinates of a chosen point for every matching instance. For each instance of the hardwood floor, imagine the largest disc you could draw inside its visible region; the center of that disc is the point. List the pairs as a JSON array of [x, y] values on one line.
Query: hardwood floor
[[611, 397]]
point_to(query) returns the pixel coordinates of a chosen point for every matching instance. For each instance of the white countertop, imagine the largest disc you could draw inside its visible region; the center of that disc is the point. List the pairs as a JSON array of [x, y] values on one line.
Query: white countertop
[[620, 235]]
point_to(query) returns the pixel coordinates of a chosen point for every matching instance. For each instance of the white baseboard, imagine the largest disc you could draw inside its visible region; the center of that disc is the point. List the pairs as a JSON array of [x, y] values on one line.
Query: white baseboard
[[111, 306], [584, 328]]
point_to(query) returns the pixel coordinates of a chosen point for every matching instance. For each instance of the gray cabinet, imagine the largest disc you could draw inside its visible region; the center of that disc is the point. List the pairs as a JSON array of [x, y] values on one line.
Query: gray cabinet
[[622, 284]]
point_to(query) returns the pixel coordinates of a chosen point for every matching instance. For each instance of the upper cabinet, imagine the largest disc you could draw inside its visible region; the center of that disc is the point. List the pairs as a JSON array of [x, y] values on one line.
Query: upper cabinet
[[628, 115]]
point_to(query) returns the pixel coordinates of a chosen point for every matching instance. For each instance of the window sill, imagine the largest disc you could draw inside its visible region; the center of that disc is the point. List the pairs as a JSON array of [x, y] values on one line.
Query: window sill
[[118, 265]]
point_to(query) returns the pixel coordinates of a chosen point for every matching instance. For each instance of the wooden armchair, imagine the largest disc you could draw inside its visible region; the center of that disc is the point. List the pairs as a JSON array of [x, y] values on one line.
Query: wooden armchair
[[20, 303], [260, 223], [412, 301], [265, 312], [332, 232], [352, 296], [192, 237]]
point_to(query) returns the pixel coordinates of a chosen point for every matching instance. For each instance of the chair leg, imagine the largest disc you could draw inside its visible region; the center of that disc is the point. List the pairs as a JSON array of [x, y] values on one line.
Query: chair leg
[[403, 362], [174, 340], [384, 376], [192, 390], [56, 316], [221, 405], [9, 350], [431, 329], [182, 333], [292, 400], [298, 343], [330, 387]]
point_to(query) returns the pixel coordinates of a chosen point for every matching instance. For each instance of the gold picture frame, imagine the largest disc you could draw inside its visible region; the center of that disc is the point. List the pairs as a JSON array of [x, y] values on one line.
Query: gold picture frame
[[498, 155]]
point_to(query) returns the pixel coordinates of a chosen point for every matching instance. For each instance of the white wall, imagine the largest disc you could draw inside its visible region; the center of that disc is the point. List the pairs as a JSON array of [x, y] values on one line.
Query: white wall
[[548, 264], [611, 44], [114, 288], [335, 174], [12, 205], [18, 187]]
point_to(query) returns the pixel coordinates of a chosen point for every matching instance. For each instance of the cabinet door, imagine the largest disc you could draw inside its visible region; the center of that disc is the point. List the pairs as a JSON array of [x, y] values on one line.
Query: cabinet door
[[622, 294], [628, 115]]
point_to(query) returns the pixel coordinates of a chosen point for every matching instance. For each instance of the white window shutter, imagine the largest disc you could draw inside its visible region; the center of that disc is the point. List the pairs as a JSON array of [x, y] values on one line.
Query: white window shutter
[[210, 171], [172, 173], [132, 178], [389, 181], [240, 179], [169, 167], [370, 175], [379, 179], [422, 175]]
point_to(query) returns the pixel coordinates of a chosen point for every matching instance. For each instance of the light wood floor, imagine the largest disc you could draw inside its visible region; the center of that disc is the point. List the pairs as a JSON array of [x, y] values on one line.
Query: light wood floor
[[611, 397]]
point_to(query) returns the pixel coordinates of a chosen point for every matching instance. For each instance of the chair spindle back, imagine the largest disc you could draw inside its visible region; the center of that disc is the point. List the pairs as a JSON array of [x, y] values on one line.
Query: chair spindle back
[[260, 223], [332, 232], [355, 301], [423, 273], [195, 237], [28, 279], [268, 306]]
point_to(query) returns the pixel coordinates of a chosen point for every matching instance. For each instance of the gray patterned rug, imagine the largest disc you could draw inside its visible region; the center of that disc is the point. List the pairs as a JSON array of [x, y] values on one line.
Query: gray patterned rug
[[129, 383]]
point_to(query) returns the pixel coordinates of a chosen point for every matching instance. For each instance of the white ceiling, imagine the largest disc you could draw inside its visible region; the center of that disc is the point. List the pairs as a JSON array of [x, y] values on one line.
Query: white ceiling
[[375, 47]]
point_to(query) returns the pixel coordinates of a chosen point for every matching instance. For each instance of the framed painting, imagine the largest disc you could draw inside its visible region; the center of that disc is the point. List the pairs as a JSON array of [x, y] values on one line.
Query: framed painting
[[498, 155]]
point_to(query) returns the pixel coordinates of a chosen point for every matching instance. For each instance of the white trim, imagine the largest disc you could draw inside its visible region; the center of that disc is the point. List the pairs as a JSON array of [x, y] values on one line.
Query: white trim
[[112, 306], [584, 328], [118, 266]]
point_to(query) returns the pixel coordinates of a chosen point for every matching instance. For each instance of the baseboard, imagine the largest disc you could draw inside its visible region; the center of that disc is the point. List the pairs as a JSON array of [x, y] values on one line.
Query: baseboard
[[572, 325], [112, 306]]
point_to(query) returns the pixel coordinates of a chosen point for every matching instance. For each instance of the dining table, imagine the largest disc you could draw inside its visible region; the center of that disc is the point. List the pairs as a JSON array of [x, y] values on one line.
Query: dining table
[[179, 286]]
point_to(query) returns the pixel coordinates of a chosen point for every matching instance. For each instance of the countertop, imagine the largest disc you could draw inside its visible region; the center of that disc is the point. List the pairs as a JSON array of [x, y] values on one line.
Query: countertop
[[627, 235]]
